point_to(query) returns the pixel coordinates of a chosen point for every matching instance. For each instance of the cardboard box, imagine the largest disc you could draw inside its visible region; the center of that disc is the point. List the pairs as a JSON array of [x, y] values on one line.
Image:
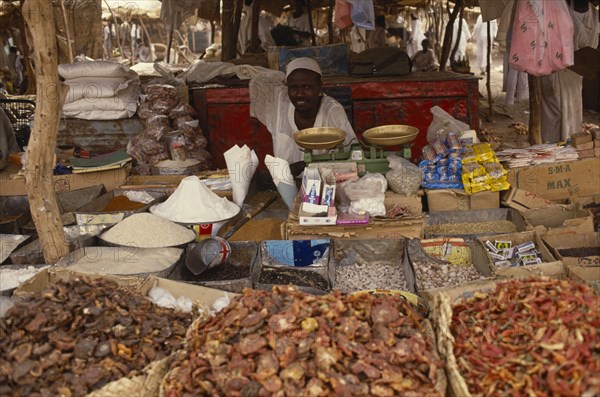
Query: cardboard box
[[472, 218], [328, 190], [376, 229], [597, 151], [585, 146], [459, 200], [585, 274], [552, 267], [311, 186], [586, 153], [581, 139], [308, 214], [589, 241], [522, 200], [557, 181], [111, 179], [559, 219], [597, 143], [196, 293], [414, 202]]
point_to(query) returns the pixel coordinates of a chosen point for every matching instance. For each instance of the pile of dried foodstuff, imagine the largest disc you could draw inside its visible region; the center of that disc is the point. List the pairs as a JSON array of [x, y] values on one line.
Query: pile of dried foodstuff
[[356, 277], [286, 342], [529, 337], [431, 275], [78, 335], [487, 227]]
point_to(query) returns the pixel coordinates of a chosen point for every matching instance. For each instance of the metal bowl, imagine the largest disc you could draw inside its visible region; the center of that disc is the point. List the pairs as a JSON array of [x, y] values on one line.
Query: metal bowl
[[390, 135], [320, 138]]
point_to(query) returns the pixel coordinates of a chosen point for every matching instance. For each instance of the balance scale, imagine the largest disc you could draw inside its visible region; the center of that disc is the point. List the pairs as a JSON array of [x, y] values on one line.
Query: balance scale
[[370, 157]]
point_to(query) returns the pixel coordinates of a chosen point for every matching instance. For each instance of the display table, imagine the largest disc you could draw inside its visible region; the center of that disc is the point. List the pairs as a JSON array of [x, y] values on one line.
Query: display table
[[369, 102]]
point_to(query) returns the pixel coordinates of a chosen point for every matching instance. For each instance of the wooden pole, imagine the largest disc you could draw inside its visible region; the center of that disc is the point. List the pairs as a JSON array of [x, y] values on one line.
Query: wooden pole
[[310, 23], [535, 110], [459, 32], [227, 30], [39, 17], [330, 20], [488, 71], [448, 36], [255, 40], [67, 33]]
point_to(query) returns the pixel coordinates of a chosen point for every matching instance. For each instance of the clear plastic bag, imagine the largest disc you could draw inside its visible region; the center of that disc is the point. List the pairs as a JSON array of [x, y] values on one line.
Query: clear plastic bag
[[403, 177], [444, 123], [367, 194]]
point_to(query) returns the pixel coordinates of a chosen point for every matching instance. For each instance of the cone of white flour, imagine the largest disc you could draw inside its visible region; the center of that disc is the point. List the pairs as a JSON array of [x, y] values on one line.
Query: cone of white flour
[[282, 178], [194, 202], [241, 164]]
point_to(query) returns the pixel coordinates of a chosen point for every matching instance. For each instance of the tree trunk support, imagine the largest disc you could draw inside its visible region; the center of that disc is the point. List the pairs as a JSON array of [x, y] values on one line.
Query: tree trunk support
[[39, 17], [535, 110]]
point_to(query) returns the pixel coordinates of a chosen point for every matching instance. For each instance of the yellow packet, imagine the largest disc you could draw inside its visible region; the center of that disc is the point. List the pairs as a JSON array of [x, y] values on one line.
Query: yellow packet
[[453, 250], [483, 152]]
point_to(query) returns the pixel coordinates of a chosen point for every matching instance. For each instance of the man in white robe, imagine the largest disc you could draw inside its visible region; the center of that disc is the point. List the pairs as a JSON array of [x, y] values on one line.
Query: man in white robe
[[481, 36], [293, 105]]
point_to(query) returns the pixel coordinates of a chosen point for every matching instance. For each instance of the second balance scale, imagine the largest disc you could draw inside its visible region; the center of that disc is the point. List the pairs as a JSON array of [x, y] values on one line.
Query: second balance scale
[[318, 144]]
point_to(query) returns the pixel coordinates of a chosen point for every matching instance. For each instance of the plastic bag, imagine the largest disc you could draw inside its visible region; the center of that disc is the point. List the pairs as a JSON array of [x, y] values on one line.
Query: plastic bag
[[367, 194], [444, 123], [403, 177], [363, 13], [542, 37]]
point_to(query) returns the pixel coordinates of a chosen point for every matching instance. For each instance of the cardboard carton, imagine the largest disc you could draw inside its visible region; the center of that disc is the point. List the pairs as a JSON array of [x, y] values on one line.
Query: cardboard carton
[[581, 139], [551, 266], [585, 146], [559, 219], [585, 274], [328, 190], [588, 241], [414, 202], [313, 214], [111, 179], [311, 186], [522, 200], [558, 181], [458, 200], [586, 153]]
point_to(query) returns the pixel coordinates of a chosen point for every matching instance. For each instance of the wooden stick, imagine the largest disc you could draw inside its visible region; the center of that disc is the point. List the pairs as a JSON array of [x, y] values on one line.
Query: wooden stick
[[67, 33], [43, 204], [255, 39], [488, 69], [310, 23], [330, 20], [448, 38], [170, 39], [535, 110], [117, 28]]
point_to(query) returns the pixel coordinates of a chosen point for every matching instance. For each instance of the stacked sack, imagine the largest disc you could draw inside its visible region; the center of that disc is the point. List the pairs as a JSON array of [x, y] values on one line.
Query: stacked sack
[[482, 170], [441, 165], [99, 90], [164, 112]]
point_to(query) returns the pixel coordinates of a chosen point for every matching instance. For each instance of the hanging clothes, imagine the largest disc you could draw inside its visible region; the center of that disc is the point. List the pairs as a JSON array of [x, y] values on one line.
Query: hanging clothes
[[481, 36], [416, 37]]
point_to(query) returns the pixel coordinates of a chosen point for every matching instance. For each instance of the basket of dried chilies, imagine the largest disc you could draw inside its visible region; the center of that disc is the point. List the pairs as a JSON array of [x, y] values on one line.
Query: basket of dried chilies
[[533, 336]]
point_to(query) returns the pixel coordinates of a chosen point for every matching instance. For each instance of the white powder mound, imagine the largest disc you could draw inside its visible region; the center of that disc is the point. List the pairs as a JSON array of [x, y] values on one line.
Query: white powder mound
[[129, 261], [194, 202], [12, 278], [146, 230]]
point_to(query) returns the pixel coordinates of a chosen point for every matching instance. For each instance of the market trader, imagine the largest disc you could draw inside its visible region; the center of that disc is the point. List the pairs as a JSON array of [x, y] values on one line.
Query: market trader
[[293, 105]]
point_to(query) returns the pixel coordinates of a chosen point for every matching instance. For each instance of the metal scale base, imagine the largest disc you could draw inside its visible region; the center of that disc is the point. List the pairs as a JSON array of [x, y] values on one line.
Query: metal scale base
[[368, 159]]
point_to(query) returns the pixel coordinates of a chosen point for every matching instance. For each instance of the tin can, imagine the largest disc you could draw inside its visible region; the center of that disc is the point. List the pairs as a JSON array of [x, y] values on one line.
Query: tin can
[[214, 251]]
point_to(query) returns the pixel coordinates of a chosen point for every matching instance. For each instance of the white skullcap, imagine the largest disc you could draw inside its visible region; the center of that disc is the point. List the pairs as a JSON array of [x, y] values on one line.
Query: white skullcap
[[303, 63]]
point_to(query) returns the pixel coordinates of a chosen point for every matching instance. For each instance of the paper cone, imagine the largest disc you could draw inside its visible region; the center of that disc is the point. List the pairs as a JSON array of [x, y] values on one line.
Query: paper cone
[[288, 193], [241, 164], [279, 169]]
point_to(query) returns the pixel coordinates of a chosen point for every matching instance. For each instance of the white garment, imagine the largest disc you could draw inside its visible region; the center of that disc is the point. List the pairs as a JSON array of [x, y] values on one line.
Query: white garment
[[302, 24], [465, 35], [357, 39], [416, 36], [135, 32], [245, 33], [515, 84], [481, 35], [270, 103], [585, 27]]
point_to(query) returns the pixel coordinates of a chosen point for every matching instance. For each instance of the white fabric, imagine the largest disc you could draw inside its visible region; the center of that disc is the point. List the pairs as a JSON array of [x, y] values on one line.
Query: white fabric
[[465, 35], [95, 87], [302, 63], [514, 84], [302, 24], [94, 69], [357, 38], [585, 27], [118, 107], [201, 71], [245, 33], [562, 105], [270, 103], [417, 36], [265, 24], [241, 165], [481, 36]]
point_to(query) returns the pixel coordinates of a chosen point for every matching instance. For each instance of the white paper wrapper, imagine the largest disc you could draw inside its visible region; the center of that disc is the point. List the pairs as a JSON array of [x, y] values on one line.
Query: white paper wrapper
[[288, 193], [241, 164], [279, 169]]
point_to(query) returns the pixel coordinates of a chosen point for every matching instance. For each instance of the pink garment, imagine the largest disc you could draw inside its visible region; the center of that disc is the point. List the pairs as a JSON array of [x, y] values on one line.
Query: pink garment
[[343, 11], [542, 37]]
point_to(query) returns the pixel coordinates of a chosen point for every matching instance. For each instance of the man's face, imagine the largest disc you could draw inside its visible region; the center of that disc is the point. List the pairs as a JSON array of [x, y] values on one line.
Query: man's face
[[304, 87]]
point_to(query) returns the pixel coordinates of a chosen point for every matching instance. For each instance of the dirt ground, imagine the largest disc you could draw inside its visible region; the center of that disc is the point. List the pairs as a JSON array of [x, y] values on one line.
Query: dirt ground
[[499, 125]]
